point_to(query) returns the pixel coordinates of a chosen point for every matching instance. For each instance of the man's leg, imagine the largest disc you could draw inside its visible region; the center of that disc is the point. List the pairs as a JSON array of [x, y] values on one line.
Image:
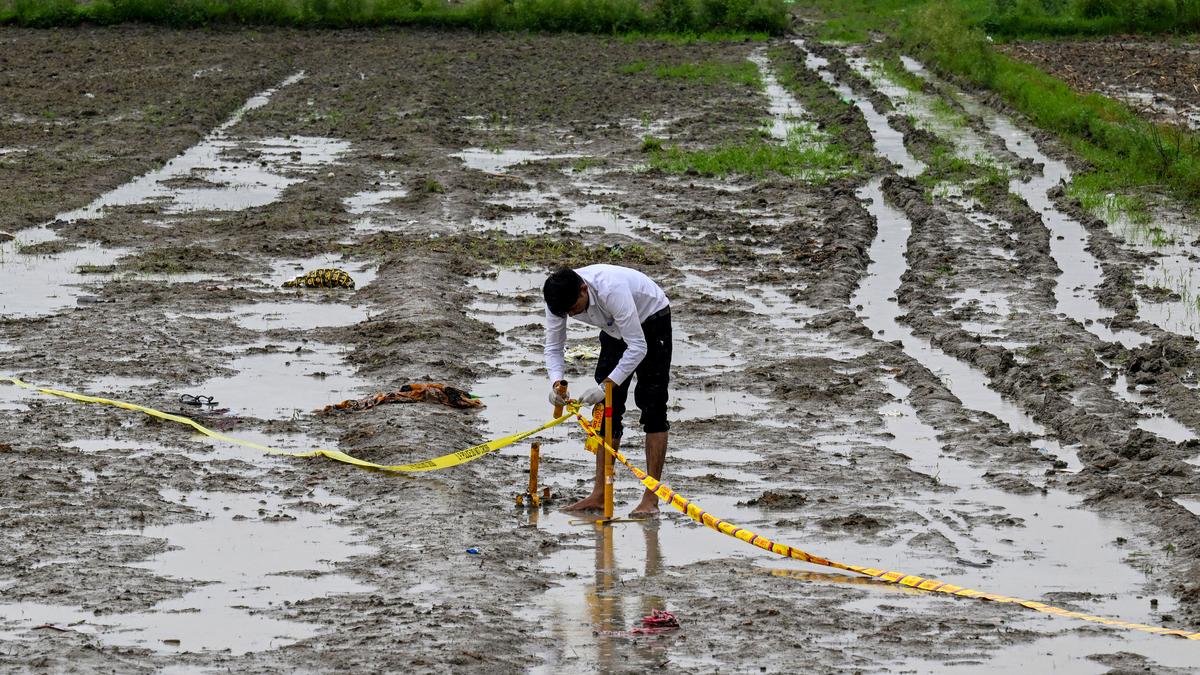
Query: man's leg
[[653, 380], [595, 501], [656, 456]]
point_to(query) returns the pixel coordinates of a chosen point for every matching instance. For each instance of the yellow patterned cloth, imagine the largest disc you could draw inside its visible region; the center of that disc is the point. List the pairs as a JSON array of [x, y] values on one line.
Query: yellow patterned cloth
[[322, 278]]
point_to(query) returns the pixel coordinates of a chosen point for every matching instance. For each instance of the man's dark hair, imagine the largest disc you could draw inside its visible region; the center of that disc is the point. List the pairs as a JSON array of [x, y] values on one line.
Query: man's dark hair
[[561, 290]]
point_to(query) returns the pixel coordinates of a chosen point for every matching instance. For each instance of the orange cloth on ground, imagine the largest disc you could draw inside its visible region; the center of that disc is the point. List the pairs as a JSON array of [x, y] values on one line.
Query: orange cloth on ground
[[431, 392]]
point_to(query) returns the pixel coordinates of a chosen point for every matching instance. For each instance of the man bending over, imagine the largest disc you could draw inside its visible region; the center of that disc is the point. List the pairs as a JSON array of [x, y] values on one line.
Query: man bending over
[[634, 319]]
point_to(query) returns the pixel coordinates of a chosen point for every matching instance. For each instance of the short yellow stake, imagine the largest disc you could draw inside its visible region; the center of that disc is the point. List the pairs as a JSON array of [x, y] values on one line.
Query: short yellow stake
[[535, 452]]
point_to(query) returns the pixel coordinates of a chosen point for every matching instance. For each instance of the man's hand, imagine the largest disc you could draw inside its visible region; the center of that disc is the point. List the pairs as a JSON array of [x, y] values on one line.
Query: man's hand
[[556, 398], [593, 396]]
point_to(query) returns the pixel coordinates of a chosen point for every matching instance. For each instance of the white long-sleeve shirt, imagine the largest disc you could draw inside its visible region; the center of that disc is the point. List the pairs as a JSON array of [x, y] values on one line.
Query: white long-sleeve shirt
[[619, 300]]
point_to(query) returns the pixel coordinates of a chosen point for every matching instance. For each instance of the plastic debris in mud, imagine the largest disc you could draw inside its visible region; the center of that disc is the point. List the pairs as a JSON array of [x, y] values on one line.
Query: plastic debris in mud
[[659, 621]]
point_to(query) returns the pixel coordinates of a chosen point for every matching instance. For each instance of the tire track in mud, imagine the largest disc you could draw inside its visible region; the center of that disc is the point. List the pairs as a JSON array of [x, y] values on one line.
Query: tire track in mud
[[922, 215], [933, 242], [1123, 345]]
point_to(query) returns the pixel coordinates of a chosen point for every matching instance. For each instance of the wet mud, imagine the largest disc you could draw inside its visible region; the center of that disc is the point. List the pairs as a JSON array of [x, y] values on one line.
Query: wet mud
[[866, 367]]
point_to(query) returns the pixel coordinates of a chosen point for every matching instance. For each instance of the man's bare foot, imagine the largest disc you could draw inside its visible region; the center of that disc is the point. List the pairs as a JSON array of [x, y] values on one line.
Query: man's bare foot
[[647, 508], [592, 502]]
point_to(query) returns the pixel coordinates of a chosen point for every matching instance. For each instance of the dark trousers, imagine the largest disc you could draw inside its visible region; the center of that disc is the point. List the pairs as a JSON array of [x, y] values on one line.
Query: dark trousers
[[653, 375]]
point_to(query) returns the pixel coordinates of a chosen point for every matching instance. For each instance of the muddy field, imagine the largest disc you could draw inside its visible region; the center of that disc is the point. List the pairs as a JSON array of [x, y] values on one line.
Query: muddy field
[[958, 376]]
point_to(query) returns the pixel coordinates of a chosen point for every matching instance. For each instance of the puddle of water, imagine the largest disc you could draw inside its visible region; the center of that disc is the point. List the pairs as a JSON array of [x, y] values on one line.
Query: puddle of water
[[787, 114], [1175, 266], [921, 106], [499, 161], [889, 143], [294, 379], [370, 201], [1075, 288], [1191, 504], [1154, 420], [37, 285], [1063, 651], [231, 176], [592, 218], [371, 207], [775, 309], [598, 217], [222, 451], [13, 397], [130, 448], [596, 596], [244, 552]]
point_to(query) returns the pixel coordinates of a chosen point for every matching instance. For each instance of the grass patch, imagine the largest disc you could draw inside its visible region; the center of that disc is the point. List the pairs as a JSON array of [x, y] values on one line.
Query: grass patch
[[980, 179], [584, 163], [708, 72], [497, 248], [96, 269], [671, 17], [1048, 18], [1092, 191], [855, 20], [831, 111], [52, 247], [896, 72], [712, 72], [652, 144], [812, 162]]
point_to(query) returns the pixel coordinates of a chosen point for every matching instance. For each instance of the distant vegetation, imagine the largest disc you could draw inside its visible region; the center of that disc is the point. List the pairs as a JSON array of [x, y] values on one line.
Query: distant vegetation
[[850, 20], [672, 17], [1091, 17]]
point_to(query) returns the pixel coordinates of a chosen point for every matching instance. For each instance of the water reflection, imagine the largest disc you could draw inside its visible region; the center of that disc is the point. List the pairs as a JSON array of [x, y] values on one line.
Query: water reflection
[[593, 618]]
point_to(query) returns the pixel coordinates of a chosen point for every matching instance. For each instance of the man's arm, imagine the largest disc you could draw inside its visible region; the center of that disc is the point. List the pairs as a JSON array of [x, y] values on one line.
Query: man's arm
[[556, 339], [620, 303]]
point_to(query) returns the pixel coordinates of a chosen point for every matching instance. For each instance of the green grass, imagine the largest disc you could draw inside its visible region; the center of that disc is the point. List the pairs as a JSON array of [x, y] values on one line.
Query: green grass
[[757, 158], [671, 17], [708, 72], [1092, 190], [855, 20], [896, 72], [1035, 18], [712, 72]]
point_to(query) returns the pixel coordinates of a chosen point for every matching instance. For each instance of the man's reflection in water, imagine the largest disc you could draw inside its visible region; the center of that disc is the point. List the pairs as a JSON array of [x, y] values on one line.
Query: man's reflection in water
[[616, 606]]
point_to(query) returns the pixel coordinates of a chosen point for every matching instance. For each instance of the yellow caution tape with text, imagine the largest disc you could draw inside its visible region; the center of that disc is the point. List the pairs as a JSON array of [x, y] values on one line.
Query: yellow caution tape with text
[[443, 462], [693, 511]]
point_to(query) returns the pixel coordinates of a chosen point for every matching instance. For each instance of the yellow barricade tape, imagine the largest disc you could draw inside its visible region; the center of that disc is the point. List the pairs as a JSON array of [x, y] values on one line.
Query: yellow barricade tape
[[693, 511], [443, 462]]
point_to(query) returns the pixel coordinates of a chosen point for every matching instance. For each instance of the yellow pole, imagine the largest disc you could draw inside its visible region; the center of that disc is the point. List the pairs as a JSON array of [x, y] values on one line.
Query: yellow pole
[[608, 458], [561, 389], [535, 452]]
